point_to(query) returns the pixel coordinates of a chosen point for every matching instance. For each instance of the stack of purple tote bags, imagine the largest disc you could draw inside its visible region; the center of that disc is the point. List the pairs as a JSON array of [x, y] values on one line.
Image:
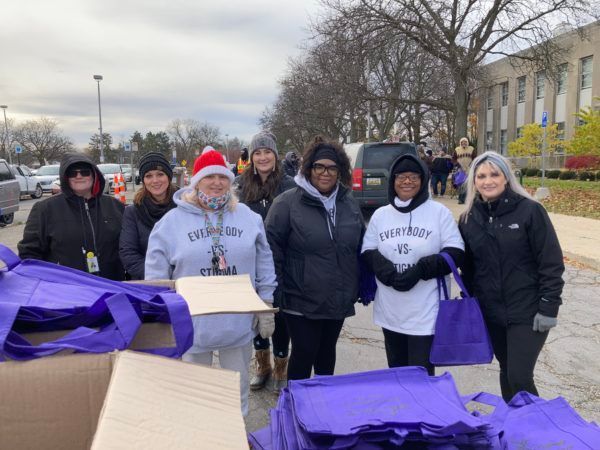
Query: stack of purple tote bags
[[372, 410]]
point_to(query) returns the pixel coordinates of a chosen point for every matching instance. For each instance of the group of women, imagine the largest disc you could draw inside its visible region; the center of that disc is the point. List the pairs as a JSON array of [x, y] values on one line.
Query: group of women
[[301, 239]]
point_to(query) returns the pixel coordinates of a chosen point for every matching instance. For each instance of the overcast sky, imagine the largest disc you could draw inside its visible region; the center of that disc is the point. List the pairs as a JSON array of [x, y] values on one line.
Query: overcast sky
[[206, 60]]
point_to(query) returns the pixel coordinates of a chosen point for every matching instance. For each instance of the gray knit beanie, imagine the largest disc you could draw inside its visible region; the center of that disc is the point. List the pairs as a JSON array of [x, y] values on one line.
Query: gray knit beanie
[[264, 139]]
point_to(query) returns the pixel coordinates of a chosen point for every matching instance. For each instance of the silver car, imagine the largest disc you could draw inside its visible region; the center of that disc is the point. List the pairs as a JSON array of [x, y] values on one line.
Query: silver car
[[9, 194], [47, 174], [29, 183]]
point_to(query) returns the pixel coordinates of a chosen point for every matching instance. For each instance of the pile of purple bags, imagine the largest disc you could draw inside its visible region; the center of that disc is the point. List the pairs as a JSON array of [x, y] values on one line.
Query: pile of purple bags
[[406, 407]]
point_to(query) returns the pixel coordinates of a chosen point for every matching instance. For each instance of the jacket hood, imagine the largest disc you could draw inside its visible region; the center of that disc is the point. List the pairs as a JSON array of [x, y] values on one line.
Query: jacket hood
[[423, 194], [73, 158]]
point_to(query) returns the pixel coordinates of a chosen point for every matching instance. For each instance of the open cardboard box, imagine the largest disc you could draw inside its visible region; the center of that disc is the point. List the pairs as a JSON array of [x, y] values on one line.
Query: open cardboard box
[[130, 400], [122, 400]]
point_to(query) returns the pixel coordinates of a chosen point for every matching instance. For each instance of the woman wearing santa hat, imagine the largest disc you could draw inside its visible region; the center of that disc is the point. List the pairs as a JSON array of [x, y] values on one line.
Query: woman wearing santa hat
[[210, 233]]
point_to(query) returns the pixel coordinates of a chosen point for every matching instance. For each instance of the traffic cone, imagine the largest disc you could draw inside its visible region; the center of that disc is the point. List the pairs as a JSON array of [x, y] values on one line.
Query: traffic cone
[[122, 189], [116, 186]]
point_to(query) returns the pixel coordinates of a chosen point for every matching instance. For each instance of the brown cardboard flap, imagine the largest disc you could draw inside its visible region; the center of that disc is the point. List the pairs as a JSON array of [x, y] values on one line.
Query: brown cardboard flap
[[218, 295], [52, 403], [159, 403]]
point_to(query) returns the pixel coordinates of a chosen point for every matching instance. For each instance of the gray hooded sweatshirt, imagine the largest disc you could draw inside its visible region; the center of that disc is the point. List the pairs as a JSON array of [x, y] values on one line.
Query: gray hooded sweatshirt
[[180, 245]]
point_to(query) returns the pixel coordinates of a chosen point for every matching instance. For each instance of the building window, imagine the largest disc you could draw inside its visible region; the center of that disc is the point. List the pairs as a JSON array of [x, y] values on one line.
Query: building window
[[504, 94], [503, 142], [521, 89], [561, 131], [561, 84], [540, 84], [488, 140], [586, 72], [490, 98], [519, 132]]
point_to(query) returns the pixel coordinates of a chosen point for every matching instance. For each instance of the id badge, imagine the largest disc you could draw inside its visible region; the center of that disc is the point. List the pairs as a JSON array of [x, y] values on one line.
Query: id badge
[[92, 262]]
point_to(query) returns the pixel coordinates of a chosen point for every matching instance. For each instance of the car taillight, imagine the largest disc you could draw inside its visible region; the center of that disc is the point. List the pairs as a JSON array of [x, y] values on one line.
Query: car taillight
[[357, 177]]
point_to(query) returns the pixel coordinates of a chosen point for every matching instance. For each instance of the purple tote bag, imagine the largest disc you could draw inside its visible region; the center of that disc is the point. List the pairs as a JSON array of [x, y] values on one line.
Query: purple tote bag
[[461, 337], [103, 315]]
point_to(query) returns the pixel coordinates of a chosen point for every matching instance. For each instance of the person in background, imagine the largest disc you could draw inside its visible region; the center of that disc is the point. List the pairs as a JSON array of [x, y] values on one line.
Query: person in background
[[315, 231], [402, 247], [463, 155], [291, 164], [80, 227], [210, 234], [151, 203], [261, 182], [513, 265], [243, 162], [441, 166]]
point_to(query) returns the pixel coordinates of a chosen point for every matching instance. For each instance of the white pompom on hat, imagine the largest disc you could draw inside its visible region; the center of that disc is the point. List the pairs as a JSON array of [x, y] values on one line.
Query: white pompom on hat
[[208, 163]]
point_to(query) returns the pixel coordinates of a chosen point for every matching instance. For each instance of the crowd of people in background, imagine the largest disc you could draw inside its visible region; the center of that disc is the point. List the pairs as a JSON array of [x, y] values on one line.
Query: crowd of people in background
[[294, 227]]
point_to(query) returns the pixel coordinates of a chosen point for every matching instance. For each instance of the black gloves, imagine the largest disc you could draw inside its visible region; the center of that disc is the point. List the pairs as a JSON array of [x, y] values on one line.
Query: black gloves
[[382, 267], [406, 280], [434, 266]]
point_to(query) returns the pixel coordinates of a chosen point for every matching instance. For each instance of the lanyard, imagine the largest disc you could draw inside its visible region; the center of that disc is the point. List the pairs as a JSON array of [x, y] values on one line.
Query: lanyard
[[218, 255]]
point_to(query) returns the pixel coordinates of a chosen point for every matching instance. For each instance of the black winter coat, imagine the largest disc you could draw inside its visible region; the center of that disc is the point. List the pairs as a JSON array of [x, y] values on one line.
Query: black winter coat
[[317, 276], [62, 228], [133, 243], [513, 262], [262, 207]]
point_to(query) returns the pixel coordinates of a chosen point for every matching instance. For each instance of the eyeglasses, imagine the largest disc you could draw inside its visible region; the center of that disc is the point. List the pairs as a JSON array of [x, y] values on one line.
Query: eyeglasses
[[72, 173], [320, 169], [413, 178]]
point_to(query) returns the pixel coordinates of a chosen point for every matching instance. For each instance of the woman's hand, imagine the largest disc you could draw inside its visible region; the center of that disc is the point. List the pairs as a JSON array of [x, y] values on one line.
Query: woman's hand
[[406, 280]]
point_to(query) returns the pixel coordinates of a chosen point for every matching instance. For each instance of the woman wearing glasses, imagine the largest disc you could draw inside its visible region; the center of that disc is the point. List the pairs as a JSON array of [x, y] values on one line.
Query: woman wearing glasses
[[315, 231], [80, 227], [402, 245]]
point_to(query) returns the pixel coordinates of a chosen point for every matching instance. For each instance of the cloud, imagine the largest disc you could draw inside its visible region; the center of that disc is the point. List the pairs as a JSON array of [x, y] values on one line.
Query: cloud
[[160, 60]]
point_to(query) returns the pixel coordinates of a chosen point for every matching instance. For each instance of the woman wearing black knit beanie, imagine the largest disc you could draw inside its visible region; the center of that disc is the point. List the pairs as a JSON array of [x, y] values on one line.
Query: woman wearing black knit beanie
[[151, 203]]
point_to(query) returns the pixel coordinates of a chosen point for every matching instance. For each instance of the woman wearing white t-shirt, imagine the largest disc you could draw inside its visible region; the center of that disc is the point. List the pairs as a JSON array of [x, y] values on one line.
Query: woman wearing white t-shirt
[[402, 245]]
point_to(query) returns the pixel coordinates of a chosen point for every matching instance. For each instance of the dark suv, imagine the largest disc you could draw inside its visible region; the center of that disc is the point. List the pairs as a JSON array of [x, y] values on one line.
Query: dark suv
[[371, 170]]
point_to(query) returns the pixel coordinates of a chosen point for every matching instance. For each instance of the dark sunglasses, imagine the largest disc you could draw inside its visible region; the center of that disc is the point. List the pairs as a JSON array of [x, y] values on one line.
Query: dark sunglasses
[[72, 173], [320, 169]]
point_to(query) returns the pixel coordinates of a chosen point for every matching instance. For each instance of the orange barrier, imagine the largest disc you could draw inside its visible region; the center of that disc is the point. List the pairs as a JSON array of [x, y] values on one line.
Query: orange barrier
[[119, 187]]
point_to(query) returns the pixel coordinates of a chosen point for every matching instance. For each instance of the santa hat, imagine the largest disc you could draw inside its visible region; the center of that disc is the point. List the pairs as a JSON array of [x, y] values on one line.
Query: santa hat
[[210, 163], [208, 148]]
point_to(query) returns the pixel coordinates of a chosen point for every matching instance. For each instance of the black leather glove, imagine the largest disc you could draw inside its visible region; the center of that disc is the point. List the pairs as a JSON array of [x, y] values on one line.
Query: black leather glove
[[382, 267], [406, 280], [434, 266]]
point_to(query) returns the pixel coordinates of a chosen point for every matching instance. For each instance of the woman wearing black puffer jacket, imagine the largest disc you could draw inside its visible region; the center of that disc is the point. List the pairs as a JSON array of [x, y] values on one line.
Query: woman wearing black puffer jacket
[[315, 232], [257, 187], [513, 265]]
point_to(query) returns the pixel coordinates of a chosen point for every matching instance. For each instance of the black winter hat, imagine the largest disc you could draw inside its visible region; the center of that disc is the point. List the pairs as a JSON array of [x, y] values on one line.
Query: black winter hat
[[155, 161], [408, 165]]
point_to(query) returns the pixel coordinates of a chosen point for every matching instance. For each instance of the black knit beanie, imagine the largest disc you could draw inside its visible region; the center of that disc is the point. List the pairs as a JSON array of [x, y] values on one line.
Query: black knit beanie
[[155, 161], [407, 165]]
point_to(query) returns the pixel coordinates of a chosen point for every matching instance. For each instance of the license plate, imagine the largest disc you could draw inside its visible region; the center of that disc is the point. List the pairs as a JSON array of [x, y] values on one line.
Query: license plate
[[374, 181]]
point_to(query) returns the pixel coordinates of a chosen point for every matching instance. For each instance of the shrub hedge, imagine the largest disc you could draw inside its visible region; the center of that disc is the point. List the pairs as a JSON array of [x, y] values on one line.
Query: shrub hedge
[[567, 175]]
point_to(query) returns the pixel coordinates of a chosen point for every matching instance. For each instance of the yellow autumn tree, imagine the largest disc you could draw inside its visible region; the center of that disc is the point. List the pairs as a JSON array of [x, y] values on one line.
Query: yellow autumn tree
[[531, 142], [586, 139]]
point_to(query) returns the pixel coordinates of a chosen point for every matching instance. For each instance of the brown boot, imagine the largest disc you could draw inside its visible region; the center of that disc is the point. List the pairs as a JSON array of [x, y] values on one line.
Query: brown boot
[[280, 374], [262, 369]]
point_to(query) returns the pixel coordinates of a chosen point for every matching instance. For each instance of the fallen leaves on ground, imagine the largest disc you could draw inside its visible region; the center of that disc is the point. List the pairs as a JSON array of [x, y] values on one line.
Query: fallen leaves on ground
[[573, 201]]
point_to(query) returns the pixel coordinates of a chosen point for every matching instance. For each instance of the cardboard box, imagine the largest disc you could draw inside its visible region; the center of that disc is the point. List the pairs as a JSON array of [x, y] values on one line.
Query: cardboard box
[[128, 400], [204, 295]]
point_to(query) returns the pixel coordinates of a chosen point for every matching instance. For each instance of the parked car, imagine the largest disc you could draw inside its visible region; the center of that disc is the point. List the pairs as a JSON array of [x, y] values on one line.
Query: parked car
[[29, 184], [371, 170], [56, 187], [46, 175], [9, 194], [109, 171], [127, 172]]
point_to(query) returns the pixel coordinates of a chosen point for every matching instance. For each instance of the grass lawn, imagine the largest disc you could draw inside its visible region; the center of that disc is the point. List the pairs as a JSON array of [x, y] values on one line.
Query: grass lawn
[[573, 198]]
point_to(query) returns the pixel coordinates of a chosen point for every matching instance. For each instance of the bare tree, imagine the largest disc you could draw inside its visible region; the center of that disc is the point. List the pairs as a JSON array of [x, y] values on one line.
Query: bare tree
[[43, 139], [189, 136], [462, 33]]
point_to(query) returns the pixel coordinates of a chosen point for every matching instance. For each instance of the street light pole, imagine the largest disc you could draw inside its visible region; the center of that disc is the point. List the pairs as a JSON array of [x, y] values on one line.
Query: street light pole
[[6, 134], [227, 146], [98, 78]]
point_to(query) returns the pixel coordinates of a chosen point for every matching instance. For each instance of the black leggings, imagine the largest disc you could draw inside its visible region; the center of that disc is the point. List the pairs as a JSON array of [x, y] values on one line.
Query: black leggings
[[517, 348], [408, 350], [281, 338], [313, 345]]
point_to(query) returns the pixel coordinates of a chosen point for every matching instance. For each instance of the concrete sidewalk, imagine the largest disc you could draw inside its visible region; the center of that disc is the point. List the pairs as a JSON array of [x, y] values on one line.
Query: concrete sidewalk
[[579, 237]]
